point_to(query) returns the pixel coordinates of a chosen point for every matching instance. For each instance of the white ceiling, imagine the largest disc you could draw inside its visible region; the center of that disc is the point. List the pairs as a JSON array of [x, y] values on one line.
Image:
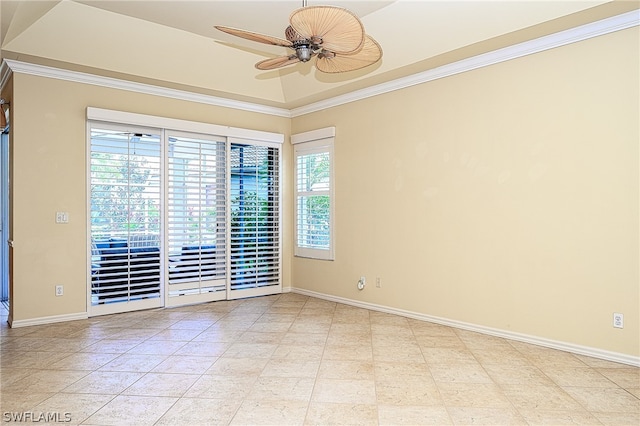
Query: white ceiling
[[174, 44]]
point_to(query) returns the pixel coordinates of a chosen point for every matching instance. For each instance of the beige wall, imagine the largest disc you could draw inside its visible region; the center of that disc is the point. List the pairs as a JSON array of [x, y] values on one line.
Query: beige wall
[[505, 197], [49, 175]]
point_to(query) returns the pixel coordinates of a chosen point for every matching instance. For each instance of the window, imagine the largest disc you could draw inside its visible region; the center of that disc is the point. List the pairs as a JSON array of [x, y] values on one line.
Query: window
[[314, 217]]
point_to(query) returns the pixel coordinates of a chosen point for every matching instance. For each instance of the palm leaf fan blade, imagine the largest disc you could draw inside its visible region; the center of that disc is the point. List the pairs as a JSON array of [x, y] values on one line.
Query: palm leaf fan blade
[[370, 53], [250, 35], [338, 29], [279, 62]]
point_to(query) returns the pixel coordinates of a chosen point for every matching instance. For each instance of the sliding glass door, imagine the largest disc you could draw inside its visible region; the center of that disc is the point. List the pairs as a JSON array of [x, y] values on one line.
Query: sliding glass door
[[255, 220], [125, 185], [196, 218], [180, 217]]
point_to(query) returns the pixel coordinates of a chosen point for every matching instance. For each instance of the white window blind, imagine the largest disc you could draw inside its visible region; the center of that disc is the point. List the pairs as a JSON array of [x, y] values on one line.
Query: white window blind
[[314, 197], [125, 215], [196, 215], [255, 216]]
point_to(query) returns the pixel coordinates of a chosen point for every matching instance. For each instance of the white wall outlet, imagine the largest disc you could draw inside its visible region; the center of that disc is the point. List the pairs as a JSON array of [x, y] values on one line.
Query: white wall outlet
[[62, 217], [618, 320], [59, 290], [378, 282], [361, 283]]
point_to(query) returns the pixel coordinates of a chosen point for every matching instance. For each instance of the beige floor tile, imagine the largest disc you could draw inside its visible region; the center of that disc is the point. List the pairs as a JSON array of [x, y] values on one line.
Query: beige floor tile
[[253, 412], [8, 376], [619, 419], [284, 367], [485, 416], [218, 335], [540, 397], [202, 348], [290, 358], [345, 369], [400, 331], [559, 417], [345, 339], [605, 400], [200, 411], [238, 367], [78, 406], [464, 373], [313, 339], [402, 352], [500, 356], [83, 361], [36, 359], [60, 344], [579, 377], [398, 370], [282, 389], [408, 391], [192, 324], [156, 347], [20, 402], [292, 351], [412, 415], [349, 352], [111, 346], [250, 350], [210, 386], [104, 382], [131, 410], [175, 335], [43, 381], [505, 374], [270, 326], [324, 413], [448, 356], [134, 363], [349, 328], [260, 337], [473, 395], [625, 377], [162, 384], [185, 364], [427, 341], [345, 391]]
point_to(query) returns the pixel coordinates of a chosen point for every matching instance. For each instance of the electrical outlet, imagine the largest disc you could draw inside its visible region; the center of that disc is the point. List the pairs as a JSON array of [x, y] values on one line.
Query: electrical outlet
[[618, 320], [361, 283], [62, 217], [378, 282], [59, 290]]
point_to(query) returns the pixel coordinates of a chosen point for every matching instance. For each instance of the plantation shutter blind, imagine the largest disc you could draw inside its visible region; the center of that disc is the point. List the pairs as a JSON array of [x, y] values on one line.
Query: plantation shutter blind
[[254, 197], [196, 215], [125, 215], [314, 210]]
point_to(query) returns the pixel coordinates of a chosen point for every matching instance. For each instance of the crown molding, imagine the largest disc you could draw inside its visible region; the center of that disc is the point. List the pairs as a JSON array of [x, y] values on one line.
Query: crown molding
[[573, 35], [148, 89]]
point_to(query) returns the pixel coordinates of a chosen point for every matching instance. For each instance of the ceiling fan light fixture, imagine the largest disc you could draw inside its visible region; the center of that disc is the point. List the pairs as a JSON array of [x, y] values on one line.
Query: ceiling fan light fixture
[[304, 52], [334, 35]]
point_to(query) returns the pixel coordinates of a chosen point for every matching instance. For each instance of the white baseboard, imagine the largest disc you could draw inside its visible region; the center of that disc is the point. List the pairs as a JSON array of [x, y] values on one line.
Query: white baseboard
[[48, 320], [534, 340]]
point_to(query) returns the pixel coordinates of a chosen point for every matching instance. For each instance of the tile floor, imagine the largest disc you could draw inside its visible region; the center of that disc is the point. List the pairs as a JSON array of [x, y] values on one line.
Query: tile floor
[[293, 359]]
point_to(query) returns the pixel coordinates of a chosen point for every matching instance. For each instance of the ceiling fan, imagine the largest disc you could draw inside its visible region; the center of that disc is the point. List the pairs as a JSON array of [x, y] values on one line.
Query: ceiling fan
[[333, 35]]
